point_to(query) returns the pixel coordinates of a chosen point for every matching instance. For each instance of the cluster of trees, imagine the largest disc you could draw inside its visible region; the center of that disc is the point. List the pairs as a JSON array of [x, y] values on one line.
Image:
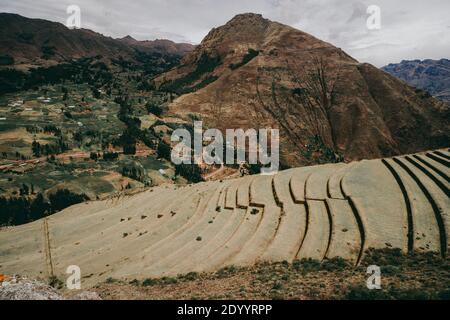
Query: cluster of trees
[[25, 209], [17, 155], [154, 109], [191, 172], [164, 151], [205, 64], [252, 53], [6, 60], [80, 71], [26, 190], [49, 149], [154, 63], [133, 132], [50, 128], [107, 156], [134, 171], [110, 156]]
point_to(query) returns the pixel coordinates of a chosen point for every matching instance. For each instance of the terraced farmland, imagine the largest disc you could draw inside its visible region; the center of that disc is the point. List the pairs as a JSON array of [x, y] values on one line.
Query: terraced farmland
[[321, 212]]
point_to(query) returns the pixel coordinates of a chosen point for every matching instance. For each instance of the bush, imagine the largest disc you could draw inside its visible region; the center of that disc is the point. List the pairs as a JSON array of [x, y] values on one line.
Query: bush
[[335, 264], [307, 265], [164, 151], [24, 209], [149, 282], [6, 60], [154, 109], [191, 276], [363, 293], [56, 283], [110, 156], [135, 171], [191, 172], [64, 198], [111, 280]]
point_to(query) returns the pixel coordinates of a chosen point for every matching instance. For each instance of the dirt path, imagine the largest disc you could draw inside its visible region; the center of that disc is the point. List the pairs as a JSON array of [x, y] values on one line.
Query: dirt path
[[47, 248]]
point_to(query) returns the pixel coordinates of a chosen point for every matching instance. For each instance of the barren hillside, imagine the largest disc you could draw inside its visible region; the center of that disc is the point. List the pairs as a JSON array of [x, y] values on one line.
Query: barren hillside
[[37, 41]]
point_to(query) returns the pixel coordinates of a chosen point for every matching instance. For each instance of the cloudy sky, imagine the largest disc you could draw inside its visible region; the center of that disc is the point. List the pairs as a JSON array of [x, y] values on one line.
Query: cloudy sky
[[410, 29]]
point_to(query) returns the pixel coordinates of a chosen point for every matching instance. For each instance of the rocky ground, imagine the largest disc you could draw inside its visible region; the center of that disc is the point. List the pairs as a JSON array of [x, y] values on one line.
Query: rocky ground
[[21, 288], [419, 277]]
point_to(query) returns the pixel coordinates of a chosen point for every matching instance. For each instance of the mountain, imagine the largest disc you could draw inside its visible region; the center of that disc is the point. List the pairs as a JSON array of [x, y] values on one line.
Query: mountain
[[430, 75], [158, 45], [253, 72], [36, 41]]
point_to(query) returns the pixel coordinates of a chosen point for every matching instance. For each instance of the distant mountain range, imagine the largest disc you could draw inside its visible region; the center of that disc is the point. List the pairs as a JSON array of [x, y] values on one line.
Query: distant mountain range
[[430, 75], [40, 42]]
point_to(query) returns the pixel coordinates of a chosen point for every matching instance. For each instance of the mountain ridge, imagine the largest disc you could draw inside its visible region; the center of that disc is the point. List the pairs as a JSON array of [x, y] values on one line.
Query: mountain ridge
[[430, 75], [39, 41]]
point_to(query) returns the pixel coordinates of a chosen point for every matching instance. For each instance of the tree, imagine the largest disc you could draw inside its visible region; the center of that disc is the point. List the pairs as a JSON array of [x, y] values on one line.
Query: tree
[[191, 172], [164, 151], [24, 190], [110, 156], [94, 156], [36, 148], [95, 93], [154, 109], [314, 92], [65, 93], [130, 148], [39, 207], [63, 198]]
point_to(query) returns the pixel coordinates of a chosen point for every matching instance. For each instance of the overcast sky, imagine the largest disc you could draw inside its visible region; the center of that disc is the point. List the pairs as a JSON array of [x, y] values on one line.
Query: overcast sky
[[410, 29]]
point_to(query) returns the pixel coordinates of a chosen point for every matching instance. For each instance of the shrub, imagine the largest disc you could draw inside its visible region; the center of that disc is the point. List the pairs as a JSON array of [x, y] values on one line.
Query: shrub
[[190, 172], [135, 171], [149, 282], [164, 151], [111, 280], [56, 283], [154, 109], [191, 276], [110, 156], [6, 60], [363, 293], [335, 264]]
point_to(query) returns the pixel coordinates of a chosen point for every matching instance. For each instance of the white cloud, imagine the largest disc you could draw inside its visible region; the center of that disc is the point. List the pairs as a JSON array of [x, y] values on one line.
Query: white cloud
[[410, 28]]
